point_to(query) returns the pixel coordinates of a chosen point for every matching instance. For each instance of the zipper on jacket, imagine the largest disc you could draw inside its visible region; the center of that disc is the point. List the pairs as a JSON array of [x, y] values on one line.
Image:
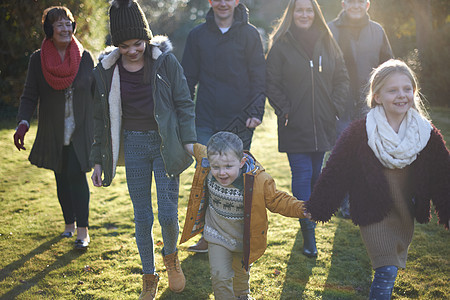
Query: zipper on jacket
[[320, 64], [313, 103], [162, 79], [156, 119], [106, 119]]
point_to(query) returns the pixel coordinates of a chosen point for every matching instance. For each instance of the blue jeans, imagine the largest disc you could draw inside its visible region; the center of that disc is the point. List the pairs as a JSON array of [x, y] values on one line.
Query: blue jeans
[[383, 283], [245, 134], [305, 169], [142, 157]]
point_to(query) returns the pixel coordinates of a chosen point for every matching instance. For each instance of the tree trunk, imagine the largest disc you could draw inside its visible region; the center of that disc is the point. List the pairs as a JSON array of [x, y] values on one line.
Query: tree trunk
[[424, 24]]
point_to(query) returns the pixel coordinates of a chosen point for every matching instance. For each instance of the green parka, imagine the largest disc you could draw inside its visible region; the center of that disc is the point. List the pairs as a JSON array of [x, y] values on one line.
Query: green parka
[[173, 111]]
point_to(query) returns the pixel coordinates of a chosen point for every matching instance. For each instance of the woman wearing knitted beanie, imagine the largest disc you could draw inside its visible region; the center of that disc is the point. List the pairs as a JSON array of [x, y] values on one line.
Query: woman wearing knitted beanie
[[59, 81], [144, 118]]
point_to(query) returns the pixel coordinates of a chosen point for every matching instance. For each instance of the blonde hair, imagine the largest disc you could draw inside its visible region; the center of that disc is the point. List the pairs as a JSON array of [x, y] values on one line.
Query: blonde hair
[[284, 23], [381, 74]]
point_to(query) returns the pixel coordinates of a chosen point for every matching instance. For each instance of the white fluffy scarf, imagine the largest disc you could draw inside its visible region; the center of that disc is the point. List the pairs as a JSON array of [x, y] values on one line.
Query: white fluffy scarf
[[397, 150]]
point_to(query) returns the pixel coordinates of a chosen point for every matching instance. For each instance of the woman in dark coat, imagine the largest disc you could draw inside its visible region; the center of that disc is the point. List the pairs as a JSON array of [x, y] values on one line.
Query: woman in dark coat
[[307, 85], [59, 80]]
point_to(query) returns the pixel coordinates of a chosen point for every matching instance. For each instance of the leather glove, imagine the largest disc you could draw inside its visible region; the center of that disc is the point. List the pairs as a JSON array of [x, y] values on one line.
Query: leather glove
[[20, 135]]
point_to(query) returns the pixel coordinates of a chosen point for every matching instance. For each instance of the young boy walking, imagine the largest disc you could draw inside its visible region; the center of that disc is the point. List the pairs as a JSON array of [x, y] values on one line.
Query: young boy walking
[[228, 200]]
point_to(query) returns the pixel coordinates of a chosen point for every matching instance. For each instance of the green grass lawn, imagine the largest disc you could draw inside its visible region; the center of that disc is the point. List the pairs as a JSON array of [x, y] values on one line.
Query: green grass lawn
[[37, 264]]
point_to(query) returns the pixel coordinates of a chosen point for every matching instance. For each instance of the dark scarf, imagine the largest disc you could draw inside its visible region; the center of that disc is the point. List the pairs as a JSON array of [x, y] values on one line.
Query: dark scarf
[[349, 30], [307, 38], [60, 74]]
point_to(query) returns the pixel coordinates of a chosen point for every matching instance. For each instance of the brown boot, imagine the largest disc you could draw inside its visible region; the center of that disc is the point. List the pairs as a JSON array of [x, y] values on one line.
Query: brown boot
[[150, 286], [174, 272]]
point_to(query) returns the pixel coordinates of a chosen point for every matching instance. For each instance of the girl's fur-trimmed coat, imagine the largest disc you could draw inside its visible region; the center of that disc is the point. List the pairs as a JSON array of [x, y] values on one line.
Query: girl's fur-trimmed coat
[[173, 109], [353, 168]]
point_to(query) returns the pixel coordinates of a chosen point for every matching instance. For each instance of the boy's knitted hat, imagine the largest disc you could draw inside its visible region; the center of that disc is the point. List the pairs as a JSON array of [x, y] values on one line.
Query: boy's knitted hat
[[127, 21]]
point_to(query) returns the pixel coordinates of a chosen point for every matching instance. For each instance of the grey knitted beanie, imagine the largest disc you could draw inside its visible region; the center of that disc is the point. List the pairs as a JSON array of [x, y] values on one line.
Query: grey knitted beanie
[[127, 21]]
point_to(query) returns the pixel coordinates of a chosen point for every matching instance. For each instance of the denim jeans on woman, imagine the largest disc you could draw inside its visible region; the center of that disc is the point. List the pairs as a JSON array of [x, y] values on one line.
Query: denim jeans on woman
[[305, 169], [142, 157]]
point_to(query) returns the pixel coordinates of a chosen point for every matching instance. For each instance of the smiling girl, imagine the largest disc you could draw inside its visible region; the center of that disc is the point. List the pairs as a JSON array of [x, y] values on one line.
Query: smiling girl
[[392, 164], [143, 110]]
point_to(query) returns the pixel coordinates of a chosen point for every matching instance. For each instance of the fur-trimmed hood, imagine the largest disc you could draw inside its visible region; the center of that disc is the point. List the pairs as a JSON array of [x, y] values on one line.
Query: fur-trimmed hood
[[160, 44]]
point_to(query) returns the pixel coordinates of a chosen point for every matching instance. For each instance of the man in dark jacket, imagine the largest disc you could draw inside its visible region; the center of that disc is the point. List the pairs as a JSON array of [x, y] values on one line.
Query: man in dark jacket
[[225, 57], [365, 46]]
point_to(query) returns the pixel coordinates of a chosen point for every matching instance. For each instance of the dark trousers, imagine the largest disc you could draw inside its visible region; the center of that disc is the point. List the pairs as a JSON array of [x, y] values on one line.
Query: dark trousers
[[73, 189]]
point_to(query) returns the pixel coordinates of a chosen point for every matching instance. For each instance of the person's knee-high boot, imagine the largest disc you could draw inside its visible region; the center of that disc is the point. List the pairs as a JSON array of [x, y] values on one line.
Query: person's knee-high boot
[[309, 237]]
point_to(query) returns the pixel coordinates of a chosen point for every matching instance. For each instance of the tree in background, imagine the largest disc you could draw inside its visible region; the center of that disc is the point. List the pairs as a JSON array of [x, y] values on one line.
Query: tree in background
[[22, 34], [419, 31]]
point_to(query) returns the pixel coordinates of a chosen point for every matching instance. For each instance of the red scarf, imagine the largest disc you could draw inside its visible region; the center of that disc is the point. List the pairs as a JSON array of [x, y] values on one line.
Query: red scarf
[[60, 74]]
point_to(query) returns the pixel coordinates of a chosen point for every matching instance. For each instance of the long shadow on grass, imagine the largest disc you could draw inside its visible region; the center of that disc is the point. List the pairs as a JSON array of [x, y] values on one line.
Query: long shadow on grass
[[298, 271], [60, 262], [349, 276], [198, 283]]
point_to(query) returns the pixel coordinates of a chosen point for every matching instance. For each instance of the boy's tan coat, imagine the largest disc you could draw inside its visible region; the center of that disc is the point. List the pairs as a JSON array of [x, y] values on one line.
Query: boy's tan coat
[[260, 192]]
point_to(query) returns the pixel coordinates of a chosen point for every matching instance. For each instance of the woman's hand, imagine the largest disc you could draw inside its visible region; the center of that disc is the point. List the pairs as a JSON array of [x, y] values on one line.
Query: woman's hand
[[189, 148], [97, 175], [19, 135]]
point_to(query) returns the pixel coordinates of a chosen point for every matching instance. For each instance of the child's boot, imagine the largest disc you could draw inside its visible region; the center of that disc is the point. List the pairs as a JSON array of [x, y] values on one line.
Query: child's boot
[[309, 238], [150, 286], [177, 281]]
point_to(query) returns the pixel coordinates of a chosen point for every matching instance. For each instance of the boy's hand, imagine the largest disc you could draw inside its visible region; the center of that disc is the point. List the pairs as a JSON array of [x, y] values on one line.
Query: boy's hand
[[252, 122]]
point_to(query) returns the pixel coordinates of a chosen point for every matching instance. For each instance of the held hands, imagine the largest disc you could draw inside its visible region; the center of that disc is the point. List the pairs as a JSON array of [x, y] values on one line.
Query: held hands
[[252, 122], [19, 136], [189, 148], [97, 175]]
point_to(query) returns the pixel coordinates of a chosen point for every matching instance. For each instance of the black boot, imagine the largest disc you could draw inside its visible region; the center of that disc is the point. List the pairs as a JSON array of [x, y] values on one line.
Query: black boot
[[309, 238]]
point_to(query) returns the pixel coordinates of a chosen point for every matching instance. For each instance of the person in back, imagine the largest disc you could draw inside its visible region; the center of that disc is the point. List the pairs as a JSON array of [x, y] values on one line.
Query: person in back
[[307, 85], [224, 58], [365, 46]]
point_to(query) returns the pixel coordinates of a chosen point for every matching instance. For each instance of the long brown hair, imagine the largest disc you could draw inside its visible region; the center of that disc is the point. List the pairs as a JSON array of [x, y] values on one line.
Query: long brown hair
[[284, 23]]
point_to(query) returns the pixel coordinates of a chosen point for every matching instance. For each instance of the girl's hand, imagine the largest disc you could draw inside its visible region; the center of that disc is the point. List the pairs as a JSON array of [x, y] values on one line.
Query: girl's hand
[[97, 175], [189, 148]]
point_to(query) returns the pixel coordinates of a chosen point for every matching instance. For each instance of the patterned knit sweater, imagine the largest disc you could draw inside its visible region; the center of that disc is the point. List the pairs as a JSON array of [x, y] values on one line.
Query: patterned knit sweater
[[224, 220]]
